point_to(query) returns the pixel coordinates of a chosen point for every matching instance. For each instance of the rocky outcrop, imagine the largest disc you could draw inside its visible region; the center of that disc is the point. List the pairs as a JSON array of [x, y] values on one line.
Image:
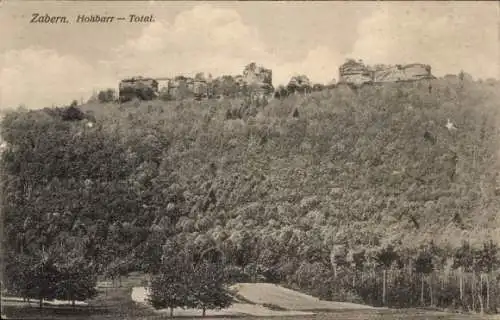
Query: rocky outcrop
[[299, 84], [357, 73], [139, 88], [254, 74], [398, 73], [255, 81], [182, 87], [258, 79]]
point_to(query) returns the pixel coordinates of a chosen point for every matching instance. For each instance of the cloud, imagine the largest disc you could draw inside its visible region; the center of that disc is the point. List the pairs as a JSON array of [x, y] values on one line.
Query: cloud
[[213, 40], [202, 39], [320, 65], [38, 77], [447, 36], [217, 40]]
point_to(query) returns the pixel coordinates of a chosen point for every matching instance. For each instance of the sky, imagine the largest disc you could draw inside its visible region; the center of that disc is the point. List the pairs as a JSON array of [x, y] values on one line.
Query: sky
[[52, 64]]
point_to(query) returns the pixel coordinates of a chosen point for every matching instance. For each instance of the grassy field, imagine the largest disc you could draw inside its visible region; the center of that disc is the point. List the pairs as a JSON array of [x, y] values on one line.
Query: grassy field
[[110, 304], [117, 303], [338, 315]]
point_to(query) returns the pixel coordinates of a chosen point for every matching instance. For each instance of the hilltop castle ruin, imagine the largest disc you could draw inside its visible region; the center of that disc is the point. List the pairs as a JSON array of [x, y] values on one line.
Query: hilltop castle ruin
[[357, 73], [255, 81]]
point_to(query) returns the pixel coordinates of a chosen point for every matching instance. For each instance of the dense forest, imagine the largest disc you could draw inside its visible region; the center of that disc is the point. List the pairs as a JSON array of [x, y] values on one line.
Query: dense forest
[[293, 191]]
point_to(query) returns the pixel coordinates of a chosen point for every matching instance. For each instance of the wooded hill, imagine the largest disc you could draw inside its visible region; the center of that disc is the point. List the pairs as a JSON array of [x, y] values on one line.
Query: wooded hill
[[278, 187]]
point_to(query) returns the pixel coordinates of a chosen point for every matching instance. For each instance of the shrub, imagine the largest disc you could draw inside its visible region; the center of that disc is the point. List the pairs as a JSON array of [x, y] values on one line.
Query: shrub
[[106, 96]]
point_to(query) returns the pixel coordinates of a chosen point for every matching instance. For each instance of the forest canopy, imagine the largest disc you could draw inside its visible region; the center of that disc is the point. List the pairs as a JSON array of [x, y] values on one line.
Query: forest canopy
[[276, 186]]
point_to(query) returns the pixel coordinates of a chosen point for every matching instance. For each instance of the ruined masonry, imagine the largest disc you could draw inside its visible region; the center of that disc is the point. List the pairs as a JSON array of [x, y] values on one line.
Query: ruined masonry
[[357, 73]]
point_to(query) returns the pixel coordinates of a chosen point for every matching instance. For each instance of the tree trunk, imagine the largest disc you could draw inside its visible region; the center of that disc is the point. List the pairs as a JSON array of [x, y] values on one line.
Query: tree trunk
[[40, 303], [473, 290], [384, 290], [422, 303], [461, 285], [487, 292], [481, 304], [204, 312], [430, 288], [171, 312]]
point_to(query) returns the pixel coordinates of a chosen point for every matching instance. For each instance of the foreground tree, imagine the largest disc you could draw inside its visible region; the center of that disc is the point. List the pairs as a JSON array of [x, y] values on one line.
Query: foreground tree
[[76, 281], [18, 275], [43, 280], [170, 288], [49, 274], [32, 277], [186, 282], [209, 288]]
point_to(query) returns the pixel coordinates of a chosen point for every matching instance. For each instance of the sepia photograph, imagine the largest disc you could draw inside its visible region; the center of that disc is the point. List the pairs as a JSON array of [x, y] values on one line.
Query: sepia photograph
[[276, 160]]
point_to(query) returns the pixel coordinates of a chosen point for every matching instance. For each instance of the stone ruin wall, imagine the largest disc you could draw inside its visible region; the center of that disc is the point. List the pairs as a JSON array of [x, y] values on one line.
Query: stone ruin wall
[[356, 72]]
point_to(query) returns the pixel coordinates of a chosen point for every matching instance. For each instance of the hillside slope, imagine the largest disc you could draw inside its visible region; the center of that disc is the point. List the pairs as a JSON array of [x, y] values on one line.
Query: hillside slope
[[370, 166], [267, 185]]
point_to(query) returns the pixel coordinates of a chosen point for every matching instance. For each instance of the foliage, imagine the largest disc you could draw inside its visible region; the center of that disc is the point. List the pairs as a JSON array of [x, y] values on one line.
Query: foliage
[[225, 86], [209, 289], [171, 287], [106, 96], [355, 168], [47, 275], [77, 281], [200, 285], [436, 289]]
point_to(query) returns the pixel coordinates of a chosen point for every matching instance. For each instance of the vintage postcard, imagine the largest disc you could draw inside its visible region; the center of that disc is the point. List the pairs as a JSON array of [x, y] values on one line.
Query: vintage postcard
[[274, 160]]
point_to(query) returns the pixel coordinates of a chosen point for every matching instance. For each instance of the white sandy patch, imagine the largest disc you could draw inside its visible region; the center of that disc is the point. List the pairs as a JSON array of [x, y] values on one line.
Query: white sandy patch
[[139, 295], [261, 293]]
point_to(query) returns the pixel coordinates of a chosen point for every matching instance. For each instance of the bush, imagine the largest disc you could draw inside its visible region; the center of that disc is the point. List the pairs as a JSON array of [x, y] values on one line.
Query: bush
[[202, 286], [106, 96]]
